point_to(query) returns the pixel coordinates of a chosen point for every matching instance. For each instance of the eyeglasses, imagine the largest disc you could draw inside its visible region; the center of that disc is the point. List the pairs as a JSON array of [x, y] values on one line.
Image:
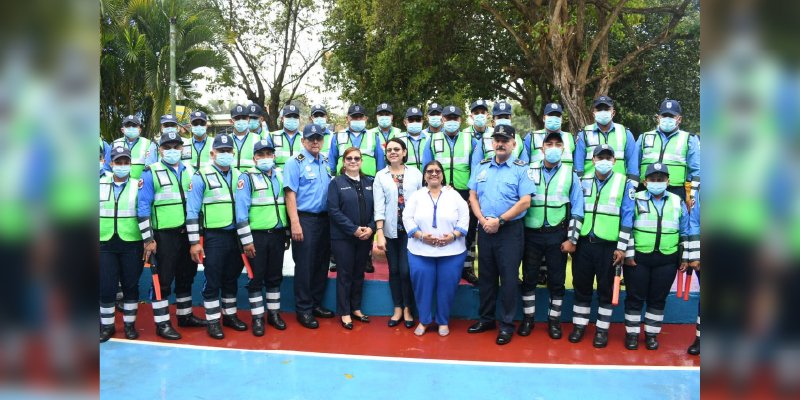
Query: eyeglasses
[[356, 159], [130, 125], [394, 150], [433, 172], [198, 123], [172, 146], [315, 138]]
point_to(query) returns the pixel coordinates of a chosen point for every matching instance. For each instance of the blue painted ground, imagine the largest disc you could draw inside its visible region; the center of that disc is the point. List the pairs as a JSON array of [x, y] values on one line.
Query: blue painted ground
[[147, 371]]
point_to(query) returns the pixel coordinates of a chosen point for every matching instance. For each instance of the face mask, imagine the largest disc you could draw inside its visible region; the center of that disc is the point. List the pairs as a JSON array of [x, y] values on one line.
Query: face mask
[[414, 128], [171, 156], [667, 124], [435, 120], [604, 166], [384, 121], [254, 124], [199, 131], [479, 120], [224, 159], [170, 129], [241, 125], [265, 164], [502, 121], [602, 117], [321, 122], [132, 132], [121, 171], [291, 124], [451, 126], [553, 154], [552, 123], [656, 188], [358, 126], [102, 165]]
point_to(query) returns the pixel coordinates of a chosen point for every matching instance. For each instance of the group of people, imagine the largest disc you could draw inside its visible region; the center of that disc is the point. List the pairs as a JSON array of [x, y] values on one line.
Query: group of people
[[428, 197]]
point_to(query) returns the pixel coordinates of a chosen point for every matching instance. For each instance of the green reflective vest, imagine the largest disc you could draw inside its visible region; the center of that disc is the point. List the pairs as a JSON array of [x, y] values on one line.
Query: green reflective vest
[[617, 139], [139, 154], [415, 149], [488, 146], [244, 154], [192, 158], [169, 196], [267, 206], [673, 155], [652, 231], [603, 210], [218, 207], [393, 132], [537, 139], [551, 198], [282, 149], [368, 163], [456, 161], [119, 215]]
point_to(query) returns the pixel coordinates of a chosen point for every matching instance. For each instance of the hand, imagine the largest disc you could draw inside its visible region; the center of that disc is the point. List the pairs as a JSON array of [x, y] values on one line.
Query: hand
[[446, 239], [568, 247], [288, 240], [630, 262], [619, 256], [359, 232], [367, 233], [429, 239], [297, 232], [381, 240], [695, 265], [197, 253], [690, 203], [491, 225], [149, 248], [249, 250]]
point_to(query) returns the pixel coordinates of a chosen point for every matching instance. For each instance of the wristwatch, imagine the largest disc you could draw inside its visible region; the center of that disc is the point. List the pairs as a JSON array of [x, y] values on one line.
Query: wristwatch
[[502, 221]]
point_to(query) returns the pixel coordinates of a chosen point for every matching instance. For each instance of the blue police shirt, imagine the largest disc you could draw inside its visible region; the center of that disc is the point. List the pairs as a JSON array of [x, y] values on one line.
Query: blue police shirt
[[477, 155], [309, 179], [692, 154], [418, 142], [147, 192], [243, 197], [199, 144], [333, 152], [628, 202], [427, 155], [118, 187], [694, 217], [500, 186], [631, 152], [575, 193], [106, 156], [194, 198]]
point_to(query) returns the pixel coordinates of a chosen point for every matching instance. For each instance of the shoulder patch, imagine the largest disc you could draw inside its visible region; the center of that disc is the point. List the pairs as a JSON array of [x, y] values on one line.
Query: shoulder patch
[[240, 185], [631, 193], [324, 157], [301, 157], [519, 162], [141, 183], [486, 161], [190, 187]]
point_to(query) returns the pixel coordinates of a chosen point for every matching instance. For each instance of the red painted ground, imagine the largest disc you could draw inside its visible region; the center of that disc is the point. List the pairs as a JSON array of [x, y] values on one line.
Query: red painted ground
[[376, 338], [381, 268]]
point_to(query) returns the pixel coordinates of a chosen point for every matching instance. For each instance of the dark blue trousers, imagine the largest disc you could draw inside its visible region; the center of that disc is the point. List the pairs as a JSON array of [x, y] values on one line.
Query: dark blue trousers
[[311, 261], [499, 256]]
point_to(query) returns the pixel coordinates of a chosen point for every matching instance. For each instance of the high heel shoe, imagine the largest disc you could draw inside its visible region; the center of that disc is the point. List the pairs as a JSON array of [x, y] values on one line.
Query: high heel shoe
[[347, 325], [393, 322], [363, 318], [409, 324]]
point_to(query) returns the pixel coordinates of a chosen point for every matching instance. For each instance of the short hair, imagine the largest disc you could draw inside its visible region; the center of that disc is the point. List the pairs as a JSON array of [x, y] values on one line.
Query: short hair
[[434, 162], [344, 155], [402, 145]]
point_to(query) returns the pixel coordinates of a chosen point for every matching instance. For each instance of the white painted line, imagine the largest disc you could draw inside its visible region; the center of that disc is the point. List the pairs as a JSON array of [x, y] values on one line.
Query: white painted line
[[417, 360]]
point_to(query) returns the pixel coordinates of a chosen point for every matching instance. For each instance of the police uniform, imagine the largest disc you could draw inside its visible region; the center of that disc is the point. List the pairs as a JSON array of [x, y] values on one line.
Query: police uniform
[[485, 138], [499, 186], [608, 220], [555, 215], [434, 110], [243, 144], [678, 150], [261, 220], [308, 177], [694, 255], [658, 245], [211, 198], [120, 249], [371, 150], [255, 113], [384, 134], [618, 137], [326, 142], [415, 144], [143, 151], [197, 150], [286, 144], [162, 217], [534, 140]]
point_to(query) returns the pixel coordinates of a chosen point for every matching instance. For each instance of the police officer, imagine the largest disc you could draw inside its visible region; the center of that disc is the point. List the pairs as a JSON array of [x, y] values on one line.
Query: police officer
[[552, 117], [162, 218], [500, 194], [385, 131], [658, 248], [605, 131], [261, 222], [356, 135], [678, 150], [502, 116], [105, 154], [211, 192], [434, 117], [319, 116], [414, 138], [256, 115], [120, 244], [143, 151], [243, 139], [608, 217], [694, 262], [306, 179], [454, 150], [552, 226], [197, 150], [286, 141], [479, 114]]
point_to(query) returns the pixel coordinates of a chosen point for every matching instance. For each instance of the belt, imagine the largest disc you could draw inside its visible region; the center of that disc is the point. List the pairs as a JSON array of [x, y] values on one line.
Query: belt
[[511, 223], [595, 239], [275, 230], [310, 214], [550, 229]]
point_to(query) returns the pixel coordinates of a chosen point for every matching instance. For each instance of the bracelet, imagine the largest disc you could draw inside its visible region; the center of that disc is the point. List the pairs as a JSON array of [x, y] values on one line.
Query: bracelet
[[379, 229]]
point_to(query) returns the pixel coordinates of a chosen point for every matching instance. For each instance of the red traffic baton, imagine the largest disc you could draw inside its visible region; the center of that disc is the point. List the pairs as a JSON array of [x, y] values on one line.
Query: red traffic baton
[[617, 281], [688, 284], [154, 272], [679, 286]]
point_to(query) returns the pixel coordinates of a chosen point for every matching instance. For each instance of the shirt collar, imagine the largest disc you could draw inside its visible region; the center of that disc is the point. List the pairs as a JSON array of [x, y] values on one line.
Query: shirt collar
[[506, 163], [311, 156]]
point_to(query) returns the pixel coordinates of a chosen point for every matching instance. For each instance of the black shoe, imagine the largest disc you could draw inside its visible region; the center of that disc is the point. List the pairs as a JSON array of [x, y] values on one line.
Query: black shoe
[[233, 321], [408, 324], [393, 322], [504, 337], [274, 319], [258, 326], [363, 318], [347, 325], [632, 341], [469, 275], [577, 333], [307, 320], [650, 342], [191, 321], [525, 327], [479, 327], [166, 331], [322, 312], [370, 268], [554, 328], [130, 331], [694, 349], [600, 339], [214, 330], [106, 332]]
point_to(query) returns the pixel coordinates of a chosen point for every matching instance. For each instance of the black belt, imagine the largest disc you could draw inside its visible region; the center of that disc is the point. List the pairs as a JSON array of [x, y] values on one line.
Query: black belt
[[310, 214], [511, 223], [595, 239], [275, 230], [550, 229]]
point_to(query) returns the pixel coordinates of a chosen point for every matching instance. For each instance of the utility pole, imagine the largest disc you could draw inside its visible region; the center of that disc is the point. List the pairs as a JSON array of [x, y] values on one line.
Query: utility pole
[[173, 86]]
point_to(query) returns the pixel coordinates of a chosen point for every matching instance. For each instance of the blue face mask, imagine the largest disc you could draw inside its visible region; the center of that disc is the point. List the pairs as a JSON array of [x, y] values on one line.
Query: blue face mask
[[656, 188], [502, 121], [667, 124], [321, 122], [199, 131], [254, 124], [291, 124], [224, 159], [414, 128], [169, 129], [602, 117], [553, 154], [435, 120], [265, 164], [121, 171], [603, 166], [171, 156], [479, 120], [132, 132], [358, 125], [552, 123], [241, 125], [451, 126], [384, 121]]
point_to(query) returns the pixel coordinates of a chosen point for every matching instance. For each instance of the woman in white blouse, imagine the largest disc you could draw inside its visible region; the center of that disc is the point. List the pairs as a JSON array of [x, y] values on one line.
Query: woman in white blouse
[[437, 220], [393, 185]]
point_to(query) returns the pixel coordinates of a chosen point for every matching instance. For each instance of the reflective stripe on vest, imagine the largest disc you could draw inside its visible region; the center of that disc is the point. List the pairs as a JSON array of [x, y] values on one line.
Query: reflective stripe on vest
[[169, 205], [119, 215], [537, 139], [393, 132], [367, 147], [244, 154], [673, 155], [456, 163], [550, 201], [138, 154], [194, 159], [282, 149], [414, 153], [602, 212], [617, 139], [218, 207], [646, 232], [266, 209]]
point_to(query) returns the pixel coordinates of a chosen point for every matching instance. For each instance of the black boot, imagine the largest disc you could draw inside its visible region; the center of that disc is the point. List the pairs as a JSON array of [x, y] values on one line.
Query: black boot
[[233, 321], [370, 268], [191, 321], [632, 341], [650, 342], [258, 326], [166, 331], [469, 275], [694, 349], [130, 331], [274, 319], [600, 339], [554, 328], [577, 333], [106, 332], [526, 326], [214, 330]]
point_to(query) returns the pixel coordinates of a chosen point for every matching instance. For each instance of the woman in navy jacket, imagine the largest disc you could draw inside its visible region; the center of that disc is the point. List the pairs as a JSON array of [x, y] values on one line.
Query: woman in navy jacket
[[350, 208]]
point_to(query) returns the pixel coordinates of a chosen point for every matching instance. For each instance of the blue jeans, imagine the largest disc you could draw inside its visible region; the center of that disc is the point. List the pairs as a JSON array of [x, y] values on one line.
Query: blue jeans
[[435, 274]]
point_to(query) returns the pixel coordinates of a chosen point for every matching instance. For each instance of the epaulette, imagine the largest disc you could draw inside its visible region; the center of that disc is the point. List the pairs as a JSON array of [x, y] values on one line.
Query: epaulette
[[324, 158], [520, 162], [486, 160], [301, 157]]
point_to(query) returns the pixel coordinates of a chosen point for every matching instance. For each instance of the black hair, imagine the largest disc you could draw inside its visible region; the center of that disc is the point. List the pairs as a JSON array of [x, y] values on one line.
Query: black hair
[[402, 145], [434, 162]]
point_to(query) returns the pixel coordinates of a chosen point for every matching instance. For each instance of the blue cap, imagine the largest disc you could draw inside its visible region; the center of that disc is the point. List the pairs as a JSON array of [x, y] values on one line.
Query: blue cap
[[318, 108], [413, 112], [670, 107], [451, 110], [657, 168], [131, 119], [171, 137], [501, 108], [254, 110], [384, 107], [434, 107], [603, 148], [120, 151], [603, 100], [478, 104], [554, 135], [355, 109], [167, 118], [506, 131], [222, 141], [550, 108], [290, 109], [312, 130], [239, 110], [261, 145], [198, 115]]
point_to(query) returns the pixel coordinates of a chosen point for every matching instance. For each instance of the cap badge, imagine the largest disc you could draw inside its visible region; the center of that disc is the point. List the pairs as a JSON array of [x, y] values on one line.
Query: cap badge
[[553, 106], [384, 105], [502, 106], [414, 110], [291, 108], [313, 129], [172, 135], [224, 139], [434, 105], [657, 166], [669, 104], [130, 116], [119, 150], [479, 102], [238, 108], [197, 114], [452, 109]]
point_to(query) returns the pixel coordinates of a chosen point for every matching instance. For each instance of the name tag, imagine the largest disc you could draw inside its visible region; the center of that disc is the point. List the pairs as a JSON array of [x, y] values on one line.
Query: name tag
[[368, 188], [213, 181], [186, 153], [105, 192], [592, 139], [649, 140], [342, 137], [535, 174], [481, 176], [438, 146], [259, 182], [488, 145], [537, 141], [586, 185], [310, 174], [277, 140], [163, 178], [643, 207]]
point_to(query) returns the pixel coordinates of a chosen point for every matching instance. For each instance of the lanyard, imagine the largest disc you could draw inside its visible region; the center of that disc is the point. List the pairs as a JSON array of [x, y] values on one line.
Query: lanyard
[[435, 206]]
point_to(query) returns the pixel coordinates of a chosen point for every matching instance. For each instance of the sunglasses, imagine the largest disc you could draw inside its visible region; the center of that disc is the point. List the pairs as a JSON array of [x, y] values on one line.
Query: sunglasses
[[433, 172], [198, 123], [356, 159], [130, 125], [394, 149], [172, 146]]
